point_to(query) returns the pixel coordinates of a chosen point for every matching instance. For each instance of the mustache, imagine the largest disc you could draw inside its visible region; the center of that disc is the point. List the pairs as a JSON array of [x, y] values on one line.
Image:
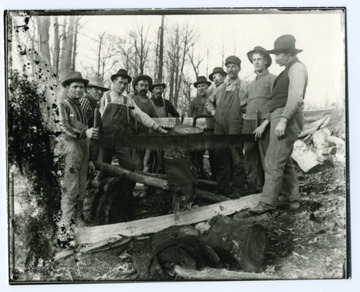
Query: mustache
[[143, 91]]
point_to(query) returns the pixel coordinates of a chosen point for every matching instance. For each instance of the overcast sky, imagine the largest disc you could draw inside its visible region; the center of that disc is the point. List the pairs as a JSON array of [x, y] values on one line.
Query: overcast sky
[[319, 34]]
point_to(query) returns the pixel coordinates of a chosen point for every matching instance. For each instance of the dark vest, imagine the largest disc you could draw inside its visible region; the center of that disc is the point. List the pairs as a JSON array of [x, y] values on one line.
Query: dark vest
[[281, 88]]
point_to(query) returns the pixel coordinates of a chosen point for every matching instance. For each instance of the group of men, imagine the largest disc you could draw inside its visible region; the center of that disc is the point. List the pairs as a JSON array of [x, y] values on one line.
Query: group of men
[[270, 107]]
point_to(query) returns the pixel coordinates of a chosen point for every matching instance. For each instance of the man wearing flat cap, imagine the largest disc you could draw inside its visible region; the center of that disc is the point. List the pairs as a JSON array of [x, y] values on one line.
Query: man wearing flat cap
[[227, 104], [286, 123], [256, 118], [74, 141], [197, 108]]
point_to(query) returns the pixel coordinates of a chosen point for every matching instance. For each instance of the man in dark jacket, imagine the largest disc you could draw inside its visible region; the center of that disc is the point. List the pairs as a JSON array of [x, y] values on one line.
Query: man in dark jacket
[[286, 123]]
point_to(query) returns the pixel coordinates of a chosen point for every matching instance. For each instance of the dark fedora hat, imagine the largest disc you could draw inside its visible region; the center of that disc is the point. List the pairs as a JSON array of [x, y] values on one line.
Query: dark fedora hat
[[217, 70], [285, 44], [74, 76], [232, 60], [157, 82], [97, 82], [200, 80], [121, 73], [142, 77], [262, 50]]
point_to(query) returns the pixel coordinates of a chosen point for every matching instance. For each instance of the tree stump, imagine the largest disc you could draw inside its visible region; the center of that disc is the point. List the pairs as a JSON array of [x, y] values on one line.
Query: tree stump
[[242, 245]]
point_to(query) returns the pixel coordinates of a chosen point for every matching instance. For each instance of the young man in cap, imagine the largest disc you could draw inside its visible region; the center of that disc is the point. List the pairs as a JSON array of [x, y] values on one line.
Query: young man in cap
[[256, 118], [227, 104], [74, 128], [164, 108], [286, 123], [197, 108]]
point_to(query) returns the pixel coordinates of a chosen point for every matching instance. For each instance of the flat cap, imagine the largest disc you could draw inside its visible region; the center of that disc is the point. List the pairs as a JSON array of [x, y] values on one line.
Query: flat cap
[[232, 60]]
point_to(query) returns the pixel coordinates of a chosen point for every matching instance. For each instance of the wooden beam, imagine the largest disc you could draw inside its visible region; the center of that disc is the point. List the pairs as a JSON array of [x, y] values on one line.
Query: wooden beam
[[85, 235], [137, 177], [219, 274], [210, 196]]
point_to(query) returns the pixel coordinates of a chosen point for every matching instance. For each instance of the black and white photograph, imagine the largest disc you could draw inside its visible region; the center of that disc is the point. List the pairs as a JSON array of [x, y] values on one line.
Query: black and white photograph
[[177, 145]]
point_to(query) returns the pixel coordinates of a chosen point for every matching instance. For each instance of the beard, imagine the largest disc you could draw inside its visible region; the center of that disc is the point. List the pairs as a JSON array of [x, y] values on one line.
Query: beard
[[143, 91]]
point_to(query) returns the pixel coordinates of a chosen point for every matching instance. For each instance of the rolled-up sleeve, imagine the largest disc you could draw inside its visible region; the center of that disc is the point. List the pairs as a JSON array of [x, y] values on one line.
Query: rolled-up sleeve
[[298, 77]]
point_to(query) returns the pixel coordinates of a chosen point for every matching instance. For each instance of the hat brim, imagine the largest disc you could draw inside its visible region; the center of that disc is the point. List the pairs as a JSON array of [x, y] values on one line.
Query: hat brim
[[249, 54], [99, 87], [284, 50], [120, 75], [202, 82], [212, 74], [71, 80], [155, 85]]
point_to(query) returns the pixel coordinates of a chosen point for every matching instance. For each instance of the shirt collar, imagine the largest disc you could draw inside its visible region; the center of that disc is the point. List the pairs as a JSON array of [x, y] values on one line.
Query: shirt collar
[[234, 82], [259, 75]]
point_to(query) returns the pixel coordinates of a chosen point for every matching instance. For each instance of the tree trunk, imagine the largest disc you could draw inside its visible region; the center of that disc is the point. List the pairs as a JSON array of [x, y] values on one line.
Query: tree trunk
[[161, 49], [56, 52], [76, 28], [67, 46], [43, 24]]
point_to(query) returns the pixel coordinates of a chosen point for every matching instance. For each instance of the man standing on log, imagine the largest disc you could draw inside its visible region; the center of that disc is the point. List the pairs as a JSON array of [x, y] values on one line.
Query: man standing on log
[[287, 121], [227, 104], [256, 118], [76, 149], [197, 108], [164, 108]]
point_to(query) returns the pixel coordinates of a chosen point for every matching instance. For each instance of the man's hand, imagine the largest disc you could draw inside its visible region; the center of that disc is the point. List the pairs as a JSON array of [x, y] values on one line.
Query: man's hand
[[162, 131], [91, 167], [212, 112], [280, 128], [260, 130], [92, 133]]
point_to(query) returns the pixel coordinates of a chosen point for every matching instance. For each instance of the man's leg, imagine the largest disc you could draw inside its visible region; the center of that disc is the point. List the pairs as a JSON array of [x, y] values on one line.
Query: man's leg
[[83, 203]]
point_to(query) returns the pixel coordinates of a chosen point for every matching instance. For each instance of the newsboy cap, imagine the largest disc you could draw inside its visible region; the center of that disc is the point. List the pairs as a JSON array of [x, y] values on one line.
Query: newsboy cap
[[232, 60]]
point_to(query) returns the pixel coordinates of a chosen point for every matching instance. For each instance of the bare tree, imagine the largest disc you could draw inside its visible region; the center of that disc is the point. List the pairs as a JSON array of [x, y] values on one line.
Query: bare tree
[[56, 51], [195, 61], [67, 46], [43, 26], [139, 40]]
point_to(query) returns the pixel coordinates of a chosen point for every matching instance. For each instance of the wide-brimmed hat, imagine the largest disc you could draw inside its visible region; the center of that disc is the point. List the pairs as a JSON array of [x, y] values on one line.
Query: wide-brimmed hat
[[285, 44], [121, 73], [142, 77], [232, 60], [97, 83], [74, 76], [217, 70], [157, 82], [262, 50], [200, 80]]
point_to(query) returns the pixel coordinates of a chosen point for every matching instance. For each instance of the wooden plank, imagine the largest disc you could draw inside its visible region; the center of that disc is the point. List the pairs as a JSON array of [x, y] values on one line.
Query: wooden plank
[[210, 196], [219, 274], [85, 235]]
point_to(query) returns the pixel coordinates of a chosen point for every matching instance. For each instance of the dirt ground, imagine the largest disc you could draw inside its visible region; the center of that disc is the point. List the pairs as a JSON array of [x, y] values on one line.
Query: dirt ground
[[303, 244]]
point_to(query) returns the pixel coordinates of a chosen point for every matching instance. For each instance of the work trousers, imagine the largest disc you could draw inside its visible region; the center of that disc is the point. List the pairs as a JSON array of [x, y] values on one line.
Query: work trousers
[[252, 157], [73, 185], [280, 175]]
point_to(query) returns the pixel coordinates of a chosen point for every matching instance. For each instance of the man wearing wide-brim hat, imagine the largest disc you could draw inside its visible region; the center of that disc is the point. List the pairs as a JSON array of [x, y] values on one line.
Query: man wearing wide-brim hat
[[286, 123], [227, 104], [218, 76], [256, 118], [76, 150]]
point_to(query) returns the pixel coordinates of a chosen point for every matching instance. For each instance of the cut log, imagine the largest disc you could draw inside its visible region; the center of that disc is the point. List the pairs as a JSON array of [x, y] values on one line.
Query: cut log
[[210, 274], [314, 126], [145, 179], [210, 196], [305, 158], [94, 234], [238, 243]]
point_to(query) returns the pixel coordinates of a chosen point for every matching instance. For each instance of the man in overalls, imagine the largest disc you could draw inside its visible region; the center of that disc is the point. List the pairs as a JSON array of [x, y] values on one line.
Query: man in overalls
[[76, 150], [119, 112], [256, 118], [230, 99], [286, 123], [164, 108]]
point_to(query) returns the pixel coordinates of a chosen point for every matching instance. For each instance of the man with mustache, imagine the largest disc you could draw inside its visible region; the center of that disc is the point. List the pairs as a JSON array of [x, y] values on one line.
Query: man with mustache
[[227, 104], [286, 123], [197, 108]]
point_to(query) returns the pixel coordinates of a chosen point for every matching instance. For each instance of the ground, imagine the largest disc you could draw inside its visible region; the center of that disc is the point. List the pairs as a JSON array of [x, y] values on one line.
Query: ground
[[306, 243]]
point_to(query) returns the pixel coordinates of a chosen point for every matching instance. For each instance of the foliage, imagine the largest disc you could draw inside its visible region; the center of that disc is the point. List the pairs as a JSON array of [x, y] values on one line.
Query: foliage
[[30, 149]]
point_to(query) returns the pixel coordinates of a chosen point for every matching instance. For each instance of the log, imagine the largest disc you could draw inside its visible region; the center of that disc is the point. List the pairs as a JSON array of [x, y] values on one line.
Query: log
[[239, 243], [321, 144], [305, 158], [210, 274], [137, 177], [210, 196], [85, 235], [314, 126]]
